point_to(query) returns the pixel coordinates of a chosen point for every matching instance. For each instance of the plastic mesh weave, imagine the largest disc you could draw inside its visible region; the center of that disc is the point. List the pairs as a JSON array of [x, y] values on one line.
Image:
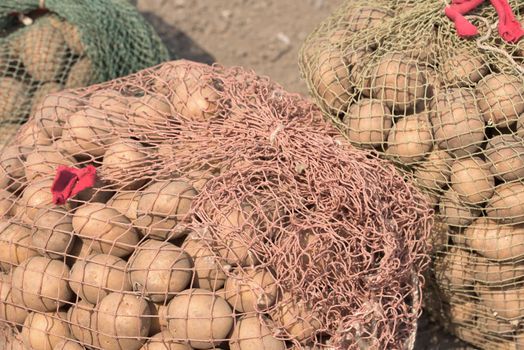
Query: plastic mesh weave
[[226, 211], [395, 78]]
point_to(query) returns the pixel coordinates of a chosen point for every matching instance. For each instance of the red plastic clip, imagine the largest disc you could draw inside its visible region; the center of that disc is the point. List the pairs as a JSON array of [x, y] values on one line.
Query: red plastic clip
[[69, 182], [509, 28]]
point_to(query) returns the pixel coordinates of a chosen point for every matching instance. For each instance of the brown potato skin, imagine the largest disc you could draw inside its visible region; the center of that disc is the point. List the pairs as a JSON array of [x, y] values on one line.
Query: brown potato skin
[[495, 241], [250, 334], [410, 140], [95, 277], [251, 290], [161, 269], [164, 341], [505, 155], [507, 302], [367, 123], [95, 221], [123, 322], [201, 316], [500, 99], [44, 331], [81, 317], [397, 81], [40, 284], [434, 172], [15, 244], [472, 180], [507, 203], [458, 125]]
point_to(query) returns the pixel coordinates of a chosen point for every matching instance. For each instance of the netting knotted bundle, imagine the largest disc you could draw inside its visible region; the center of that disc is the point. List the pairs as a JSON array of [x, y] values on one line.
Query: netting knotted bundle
[[438, 88], [48, 46], [226, 210]]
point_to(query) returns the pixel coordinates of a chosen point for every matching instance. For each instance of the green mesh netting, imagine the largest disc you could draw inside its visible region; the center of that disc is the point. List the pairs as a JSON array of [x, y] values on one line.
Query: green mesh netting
[[47, 46], [395, 78]]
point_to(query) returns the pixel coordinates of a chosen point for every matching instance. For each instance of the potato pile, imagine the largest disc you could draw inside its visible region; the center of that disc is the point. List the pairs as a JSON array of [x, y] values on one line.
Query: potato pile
[[118, 229], [38, 59], [450, 116], [114, 268]]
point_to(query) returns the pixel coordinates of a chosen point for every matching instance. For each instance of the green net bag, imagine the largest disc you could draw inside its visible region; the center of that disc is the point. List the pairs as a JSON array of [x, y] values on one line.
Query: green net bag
[[446, 106], [53, 45]]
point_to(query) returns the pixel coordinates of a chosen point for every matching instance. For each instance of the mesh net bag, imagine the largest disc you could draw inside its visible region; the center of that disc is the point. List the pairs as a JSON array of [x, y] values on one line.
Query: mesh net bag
[[194, 207], [53, 45], [438, 88]]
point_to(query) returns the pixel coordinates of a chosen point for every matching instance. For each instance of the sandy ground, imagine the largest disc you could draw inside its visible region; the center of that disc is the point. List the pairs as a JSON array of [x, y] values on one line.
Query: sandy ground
[[264, 35]]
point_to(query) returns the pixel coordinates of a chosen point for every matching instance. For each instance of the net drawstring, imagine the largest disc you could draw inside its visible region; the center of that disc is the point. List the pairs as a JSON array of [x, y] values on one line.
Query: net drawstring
[[509, 28]]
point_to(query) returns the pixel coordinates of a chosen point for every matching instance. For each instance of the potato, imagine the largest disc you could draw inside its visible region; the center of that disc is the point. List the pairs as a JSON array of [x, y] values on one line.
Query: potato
[[201, 317], [37, 196], [500, 99], [208, 273], [506, 302], [497, 273], [71, 34], [43, 51], [199, 178], [9, 311], [40, 94], [367, 123], [89, 131], [122, 161], [40, 284], [68, 345], [98, 275], [365, 18], [43, 162], [162, 206], [296, 318], [126, 203], [12, 171], [505, 155], [434, 172], [45, 331], [164, 341], [82, 73], [397, 81], [13, 98], [123, 322], [472, 180], [454, 271], [81, 317], [54, 110], [507, 203], [250, 334], [463, 67], [410, 139], [331, 81], [251, 290], [109, 101], [160, 269], [454, 212], [458, 125], [195, 96], [495, 241], [109, 230], [147, 114], [15, 244], [52, 233]]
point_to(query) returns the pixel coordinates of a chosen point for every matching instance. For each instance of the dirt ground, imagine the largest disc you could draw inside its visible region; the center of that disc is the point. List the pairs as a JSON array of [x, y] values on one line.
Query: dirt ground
[[264, 35]]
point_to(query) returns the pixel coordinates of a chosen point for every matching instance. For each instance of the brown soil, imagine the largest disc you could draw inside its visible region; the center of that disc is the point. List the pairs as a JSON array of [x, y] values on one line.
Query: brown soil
[[264, 35]]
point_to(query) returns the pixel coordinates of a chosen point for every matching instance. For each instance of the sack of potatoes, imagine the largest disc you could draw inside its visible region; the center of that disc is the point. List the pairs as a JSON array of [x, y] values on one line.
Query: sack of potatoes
[[201, 207], [400, 79], [56, 45]]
